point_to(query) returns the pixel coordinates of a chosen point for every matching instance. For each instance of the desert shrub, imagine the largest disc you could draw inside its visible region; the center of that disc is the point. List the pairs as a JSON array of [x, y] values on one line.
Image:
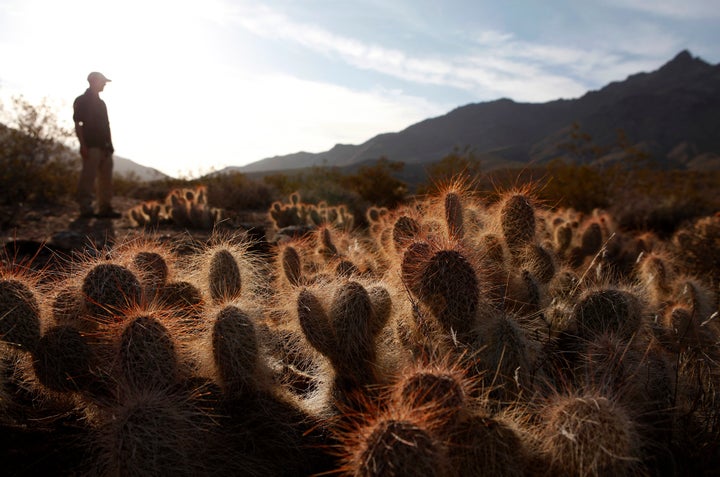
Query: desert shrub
[[235, 191], [35, 164], [128, 184], [662, 201], [455, 164], [581, 187], [376, 184], [662, 215], [698, 246]]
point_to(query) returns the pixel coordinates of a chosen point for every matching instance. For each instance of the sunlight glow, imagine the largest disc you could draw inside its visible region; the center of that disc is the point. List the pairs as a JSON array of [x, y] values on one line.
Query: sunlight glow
[[180, 100], [201, 85]]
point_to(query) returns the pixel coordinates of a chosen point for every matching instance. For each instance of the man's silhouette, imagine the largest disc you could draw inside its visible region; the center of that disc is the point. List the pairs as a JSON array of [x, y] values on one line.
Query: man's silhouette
[[93, 131]]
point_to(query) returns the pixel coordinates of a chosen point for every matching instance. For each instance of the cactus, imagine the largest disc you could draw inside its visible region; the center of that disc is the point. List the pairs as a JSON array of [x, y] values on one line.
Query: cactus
[[450, 288], [346, 335], [695, 295], [539, 262], [393, 447], [68, 307], [681, 329], [382, 306], [153, 211], [484, 445], [505, 358], [177, 208], [697, 246], [345, 268], [517, 219], [608, 363], [398, 448], [656, 273], [297, 213], [150, 213], [564, 284], [327, 246], [454, 216], [493, 264], [235, 350], [182, 300], [63, 359], [147, 355], [591, 239], [19, 314], [441, 391], [316, 324], [110, 289], [405, 230], [183, 207], [414, 262], [353, 319], [155, 433], [572, 353], [153, 266], [590, 435], [608, 310], [423, 388], [224, 276], [563, 238], [639, 377], [493, 254], [292, 266]]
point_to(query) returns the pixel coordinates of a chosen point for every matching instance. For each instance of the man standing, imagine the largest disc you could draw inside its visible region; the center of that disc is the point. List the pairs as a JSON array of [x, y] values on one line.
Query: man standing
[[93, 131]]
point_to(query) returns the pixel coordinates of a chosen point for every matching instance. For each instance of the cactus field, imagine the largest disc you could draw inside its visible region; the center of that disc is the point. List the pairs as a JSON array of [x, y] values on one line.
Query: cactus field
[[452, 336]]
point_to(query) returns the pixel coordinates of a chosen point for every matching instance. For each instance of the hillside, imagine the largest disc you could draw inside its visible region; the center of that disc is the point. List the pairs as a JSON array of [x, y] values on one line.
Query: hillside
[[143, 173], [672, 114]]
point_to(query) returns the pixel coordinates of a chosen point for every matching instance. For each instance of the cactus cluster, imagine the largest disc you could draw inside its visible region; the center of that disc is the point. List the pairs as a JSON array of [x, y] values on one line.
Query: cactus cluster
[[183, 207], [298, 213], [452, 337]]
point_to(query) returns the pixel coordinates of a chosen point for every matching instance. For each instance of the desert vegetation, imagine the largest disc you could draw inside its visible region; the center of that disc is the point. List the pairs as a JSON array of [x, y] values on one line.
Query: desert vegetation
[[455, 334], [560, 320]]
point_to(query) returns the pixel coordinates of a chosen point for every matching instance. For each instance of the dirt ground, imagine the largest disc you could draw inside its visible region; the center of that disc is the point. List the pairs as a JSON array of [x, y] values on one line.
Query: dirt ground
[[41, 235]]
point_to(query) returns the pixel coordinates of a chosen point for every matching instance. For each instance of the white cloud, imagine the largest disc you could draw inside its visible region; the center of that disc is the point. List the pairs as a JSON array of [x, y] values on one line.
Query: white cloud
[[678, 9], [493, 63], [489, 77], [493, 37]]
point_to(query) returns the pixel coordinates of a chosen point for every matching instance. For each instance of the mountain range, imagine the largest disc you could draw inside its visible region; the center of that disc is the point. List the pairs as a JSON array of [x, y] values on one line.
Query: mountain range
[[124, 166], [671, 114]]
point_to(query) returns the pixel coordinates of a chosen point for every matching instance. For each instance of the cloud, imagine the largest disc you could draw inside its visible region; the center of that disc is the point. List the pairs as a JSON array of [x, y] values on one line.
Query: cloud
[[491, 63], [677, 9], [519, 74], [610, 56]]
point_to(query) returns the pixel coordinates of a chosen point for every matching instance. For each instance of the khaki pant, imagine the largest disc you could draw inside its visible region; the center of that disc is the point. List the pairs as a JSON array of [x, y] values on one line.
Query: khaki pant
[[97, 165]]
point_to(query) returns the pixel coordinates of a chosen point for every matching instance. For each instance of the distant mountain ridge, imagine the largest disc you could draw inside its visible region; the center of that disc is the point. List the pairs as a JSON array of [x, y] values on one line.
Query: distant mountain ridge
[[125, 166], [672, 113]]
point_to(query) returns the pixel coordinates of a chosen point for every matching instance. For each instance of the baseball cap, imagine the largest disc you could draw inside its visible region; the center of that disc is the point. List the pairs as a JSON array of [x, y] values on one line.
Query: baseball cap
[[95, 75]]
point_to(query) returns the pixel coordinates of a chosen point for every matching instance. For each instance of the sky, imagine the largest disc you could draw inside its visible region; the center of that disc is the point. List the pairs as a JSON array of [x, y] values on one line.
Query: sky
[[201, 85]]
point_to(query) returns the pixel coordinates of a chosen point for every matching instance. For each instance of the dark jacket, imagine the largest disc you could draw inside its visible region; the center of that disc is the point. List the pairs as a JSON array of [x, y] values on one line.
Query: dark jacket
[[91, 112]]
